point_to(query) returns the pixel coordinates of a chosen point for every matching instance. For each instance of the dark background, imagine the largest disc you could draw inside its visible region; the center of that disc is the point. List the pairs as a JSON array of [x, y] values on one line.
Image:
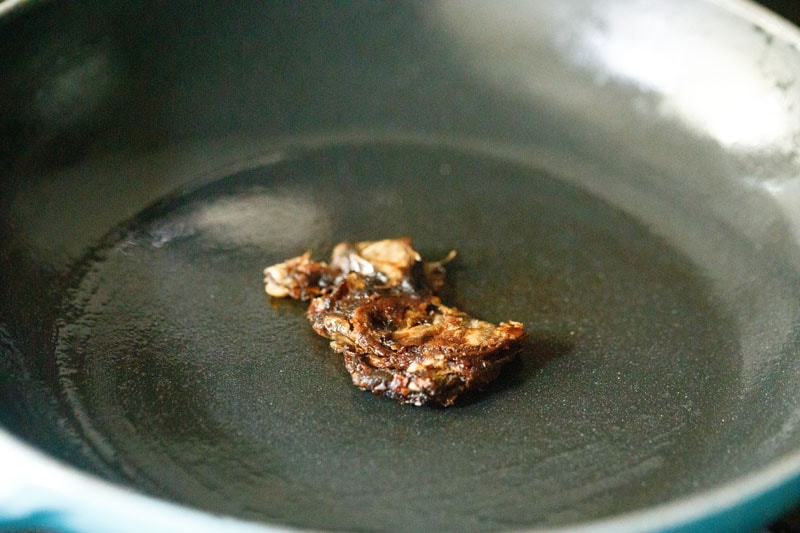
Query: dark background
[[789, 9]]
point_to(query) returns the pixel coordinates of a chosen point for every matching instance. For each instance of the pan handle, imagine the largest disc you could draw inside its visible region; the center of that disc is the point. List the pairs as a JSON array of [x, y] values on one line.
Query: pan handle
[[36, 491]]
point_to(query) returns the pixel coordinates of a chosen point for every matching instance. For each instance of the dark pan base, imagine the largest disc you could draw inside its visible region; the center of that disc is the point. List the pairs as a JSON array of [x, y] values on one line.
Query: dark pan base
[[189, 383]]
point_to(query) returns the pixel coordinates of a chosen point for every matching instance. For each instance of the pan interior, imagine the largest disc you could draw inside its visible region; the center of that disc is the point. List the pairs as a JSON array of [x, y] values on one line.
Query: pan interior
[[195, 386]]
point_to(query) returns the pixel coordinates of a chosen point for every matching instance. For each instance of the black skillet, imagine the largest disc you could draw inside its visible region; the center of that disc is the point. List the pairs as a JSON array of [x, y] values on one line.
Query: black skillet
[[619, 176]]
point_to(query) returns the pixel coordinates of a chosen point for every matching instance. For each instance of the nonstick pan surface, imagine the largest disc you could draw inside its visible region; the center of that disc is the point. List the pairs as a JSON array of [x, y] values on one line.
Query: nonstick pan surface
[[654, 264]]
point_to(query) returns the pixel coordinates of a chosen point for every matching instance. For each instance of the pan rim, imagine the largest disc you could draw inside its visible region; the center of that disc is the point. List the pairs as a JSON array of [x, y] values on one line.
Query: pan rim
[[41, 491]]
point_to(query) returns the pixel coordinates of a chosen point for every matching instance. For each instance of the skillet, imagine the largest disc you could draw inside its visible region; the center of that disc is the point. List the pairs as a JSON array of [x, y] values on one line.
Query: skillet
[[619, 176]]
